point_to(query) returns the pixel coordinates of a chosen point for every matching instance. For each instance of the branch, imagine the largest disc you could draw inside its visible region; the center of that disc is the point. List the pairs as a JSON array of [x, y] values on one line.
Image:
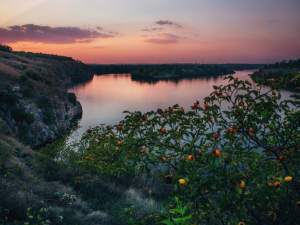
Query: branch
[[255, 215]]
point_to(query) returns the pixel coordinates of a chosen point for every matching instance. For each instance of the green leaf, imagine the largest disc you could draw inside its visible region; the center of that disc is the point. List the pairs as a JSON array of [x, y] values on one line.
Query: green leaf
[[264, 114], [295, 96], [178, 203], [175, 210], [216, 163], [279, 95], [167, 202], [168, 222]]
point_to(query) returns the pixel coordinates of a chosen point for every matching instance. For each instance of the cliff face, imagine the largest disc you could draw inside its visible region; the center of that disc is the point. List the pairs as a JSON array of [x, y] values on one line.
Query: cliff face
[[39, 132], [34, 103]]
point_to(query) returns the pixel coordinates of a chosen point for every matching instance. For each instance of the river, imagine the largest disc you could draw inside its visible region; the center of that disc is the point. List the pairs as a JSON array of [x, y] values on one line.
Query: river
[[105, 97]]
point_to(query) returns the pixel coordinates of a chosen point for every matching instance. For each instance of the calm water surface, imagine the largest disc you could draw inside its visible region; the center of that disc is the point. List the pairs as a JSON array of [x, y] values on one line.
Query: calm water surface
[[105, 97]]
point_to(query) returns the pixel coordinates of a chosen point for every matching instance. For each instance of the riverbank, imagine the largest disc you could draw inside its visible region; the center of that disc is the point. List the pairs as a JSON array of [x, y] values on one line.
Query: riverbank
[[35, 106]]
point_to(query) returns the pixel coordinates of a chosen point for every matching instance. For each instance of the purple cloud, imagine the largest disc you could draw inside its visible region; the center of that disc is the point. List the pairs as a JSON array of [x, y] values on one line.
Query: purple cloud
[[48, 35], [114, 33], [167, 22], [161, 41], [153, 29], [99, 28], [164, 38]]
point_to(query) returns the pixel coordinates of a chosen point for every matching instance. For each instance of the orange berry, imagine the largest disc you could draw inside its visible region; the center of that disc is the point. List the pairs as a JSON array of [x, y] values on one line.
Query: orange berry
[[205, 105], [191, 158], [164, 159], [288, 179], [241, 184], [277, 184], [163, 130], [216, 153], [160, 111], [182, 181]]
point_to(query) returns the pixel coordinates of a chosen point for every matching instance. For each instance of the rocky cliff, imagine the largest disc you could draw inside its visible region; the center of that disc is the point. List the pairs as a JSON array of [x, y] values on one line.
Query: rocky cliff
[[38, 130], [34, 102]]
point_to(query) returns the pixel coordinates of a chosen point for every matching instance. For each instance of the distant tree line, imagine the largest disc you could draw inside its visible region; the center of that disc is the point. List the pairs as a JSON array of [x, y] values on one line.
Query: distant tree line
[[32, 55], [284, 64], [281, 70], [240, 66], [147, 70], [179, 69], [5, 48]]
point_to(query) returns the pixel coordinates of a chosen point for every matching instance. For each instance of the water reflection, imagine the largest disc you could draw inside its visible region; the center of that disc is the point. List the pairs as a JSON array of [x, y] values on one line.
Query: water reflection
[[175, 80], [105, 97]]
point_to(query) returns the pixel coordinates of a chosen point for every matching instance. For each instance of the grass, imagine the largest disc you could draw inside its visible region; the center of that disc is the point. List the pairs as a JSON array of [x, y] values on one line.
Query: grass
[[26, 188]]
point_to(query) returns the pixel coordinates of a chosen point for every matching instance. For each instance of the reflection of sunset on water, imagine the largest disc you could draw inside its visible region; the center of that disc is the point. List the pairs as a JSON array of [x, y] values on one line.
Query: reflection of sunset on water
[[105, 97]]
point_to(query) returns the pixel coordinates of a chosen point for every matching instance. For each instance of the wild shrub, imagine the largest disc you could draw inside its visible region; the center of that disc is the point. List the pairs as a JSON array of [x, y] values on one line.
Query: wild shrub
[[48, 82], [48, 117], [28, 91], [225, 165], [23, 77], [44, 102], [20, 115], [33, 74]]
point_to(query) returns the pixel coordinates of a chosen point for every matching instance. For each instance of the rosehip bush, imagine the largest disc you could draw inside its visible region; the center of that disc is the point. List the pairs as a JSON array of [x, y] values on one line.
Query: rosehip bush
[[237, 138]]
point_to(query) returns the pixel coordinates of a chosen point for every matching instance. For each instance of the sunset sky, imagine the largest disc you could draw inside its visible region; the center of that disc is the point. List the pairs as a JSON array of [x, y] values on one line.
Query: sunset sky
[[155, 31]]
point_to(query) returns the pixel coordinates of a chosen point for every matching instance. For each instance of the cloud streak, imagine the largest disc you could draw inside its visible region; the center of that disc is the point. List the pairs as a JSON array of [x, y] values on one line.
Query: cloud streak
[[164, 38], [97, 47], [48, 35], [153, 29], [167, 22]]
